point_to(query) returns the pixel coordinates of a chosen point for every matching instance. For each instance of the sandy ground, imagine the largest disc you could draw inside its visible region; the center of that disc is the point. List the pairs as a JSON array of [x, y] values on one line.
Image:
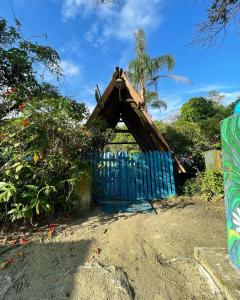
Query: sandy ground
[[125, 256]]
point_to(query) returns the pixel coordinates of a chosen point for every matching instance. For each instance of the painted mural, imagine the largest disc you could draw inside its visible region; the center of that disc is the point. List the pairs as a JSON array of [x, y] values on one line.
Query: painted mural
[[230, 133]]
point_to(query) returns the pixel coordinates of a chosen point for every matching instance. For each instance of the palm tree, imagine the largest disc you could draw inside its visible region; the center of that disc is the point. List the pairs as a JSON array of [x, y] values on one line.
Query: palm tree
[[144, 71]]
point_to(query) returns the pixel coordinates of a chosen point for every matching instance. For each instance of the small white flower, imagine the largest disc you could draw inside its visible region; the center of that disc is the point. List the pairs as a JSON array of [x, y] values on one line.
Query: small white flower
[[236, 219]]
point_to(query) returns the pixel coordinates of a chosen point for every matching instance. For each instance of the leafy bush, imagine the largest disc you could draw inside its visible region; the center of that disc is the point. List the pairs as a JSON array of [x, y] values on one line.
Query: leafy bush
[[212, 184], [207, 185], [192, 186], [42, 154]]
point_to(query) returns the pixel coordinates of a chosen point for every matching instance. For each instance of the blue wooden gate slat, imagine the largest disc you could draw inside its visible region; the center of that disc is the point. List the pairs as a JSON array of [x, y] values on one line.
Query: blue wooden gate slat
[[153, 195], [163, 175], [149, 187], [125, 179], [173, 189], [133, 184], [115, 177], [119, 174], [145, 194], [160, 174], [137, 177], [168, 174], [165, 187], [140, 177], [156, 175]]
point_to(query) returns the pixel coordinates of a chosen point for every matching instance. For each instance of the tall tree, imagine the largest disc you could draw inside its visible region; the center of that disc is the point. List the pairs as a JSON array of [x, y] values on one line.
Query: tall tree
[[19, 59], [144, 71]]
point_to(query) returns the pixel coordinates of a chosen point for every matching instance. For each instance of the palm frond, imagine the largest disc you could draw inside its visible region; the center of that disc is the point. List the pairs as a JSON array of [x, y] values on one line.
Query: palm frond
[[150, 96], [175, 77], [158, 104], [163, 62]]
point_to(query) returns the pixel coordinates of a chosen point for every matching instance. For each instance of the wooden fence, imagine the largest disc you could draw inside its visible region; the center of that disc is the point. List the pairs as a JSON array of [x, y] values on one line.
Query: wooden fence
[[122, 178]]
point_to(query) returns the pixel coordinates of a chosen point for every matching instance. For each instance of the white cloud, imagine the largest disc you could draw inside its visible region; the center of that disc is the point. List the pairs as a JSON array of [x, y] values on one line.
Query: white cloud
[[170, 114], [174, 104], [230, 97], [69, 68], [210, 87], [72, 47], [115, 21], [71, 8]]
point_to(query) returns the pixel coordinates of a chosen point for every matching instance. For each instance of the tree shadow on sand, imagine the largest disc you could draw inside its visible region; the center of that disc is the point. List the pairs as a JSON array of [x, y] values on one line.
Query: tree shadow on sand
[[42, 271]]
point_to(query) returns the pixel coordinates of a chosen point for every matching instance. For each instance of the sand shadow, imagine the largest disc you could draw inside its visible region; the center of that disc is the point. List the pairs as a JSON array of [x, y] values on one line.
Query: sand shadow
[[164, 206], [41, 271]]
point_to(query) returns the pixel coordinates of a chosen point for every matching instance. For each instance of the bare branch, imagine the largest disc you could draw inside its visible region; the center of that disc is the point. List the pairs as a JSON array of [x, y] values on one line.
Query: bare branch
[[220, 15]]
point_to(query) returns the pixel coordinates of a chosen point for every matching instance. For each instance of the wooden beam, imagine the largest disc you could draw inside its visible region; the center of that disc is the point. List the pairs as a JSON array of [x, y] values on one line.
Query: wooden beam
[[122, 143], [133, 131]]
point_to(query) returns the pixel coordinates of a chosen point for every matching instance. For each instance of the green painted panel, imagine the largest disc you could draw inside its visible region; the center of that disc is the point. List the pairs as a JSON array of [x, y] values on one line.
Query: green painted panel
[[230, 134]]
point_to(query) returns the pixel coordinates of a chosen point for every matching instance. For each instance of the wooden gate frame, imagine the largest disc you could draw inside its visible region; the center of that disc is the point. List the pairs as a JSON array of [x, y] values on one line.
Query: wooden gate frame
[[122, 101]]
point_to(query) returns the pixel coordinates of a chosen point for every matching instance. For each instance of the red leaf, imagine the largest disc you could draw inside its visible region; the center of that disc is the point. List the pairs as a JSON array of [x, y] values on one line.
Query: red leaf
[[52, 226], [21, 106], [11, 261], [25, 123], [23, 242]]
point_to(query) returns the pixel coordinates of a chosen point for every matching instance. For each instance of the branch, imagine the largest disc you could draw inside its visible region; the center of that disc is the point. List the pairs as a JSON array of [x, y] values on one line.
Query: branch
[[208, 31]]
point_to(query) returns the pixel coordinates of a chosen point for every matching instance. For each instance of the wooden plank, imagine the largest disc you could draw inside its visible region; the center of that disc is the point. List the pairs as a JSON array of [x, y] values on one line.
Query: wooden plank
[[133, 182], [160, 174], [145, 190], [173, 188], [152, 176], [115, 177], [137, 177], [121, 143], [125, 181], [156, 175], [148, 170], [101, 178], [119, 173], [132, 131], [128, 176], [140, 164], [103, 174], [108, 180], [109, 175], [168, 174], [135, 96], [164, 175], [104, 98]]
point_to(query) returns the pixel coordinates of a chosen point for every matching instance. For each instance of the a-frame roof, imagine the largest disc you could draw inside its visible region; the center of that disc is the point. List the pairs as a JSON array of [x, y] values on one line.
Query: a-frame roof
[[126, 104]]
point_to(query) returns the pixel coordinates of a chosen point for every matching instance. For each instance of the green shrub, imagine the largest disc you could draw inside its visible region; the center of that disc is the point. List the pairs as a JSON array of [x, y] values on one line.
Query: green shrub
[[193, 186], [212, 184], [42, 155], [207, 185]]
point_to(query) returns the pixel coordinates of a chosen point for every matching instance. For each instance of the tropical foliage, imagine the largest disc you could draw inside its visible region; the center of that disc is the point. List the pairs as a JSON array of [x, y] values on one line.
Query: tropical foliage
[[197, 129], [19, 61], [207, 185], [41, 156], [43, 142]]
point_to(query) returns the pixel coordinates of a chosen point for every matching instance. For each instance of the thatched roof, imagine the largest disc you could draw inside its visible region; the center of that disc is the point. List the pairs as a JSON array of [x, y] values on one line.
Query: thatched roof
[[126, 104]]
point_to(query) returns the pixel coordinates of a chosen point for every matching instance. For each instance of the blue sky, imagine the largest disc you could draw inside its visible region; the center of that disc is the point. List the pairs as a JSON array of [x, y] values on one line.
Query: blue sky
[[93, 41]]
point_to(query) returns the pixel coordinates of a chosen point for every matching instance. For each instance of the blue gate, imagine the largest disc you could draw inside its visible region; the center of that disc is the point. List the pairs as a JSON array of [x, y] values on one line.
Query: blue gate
[[127, 182]]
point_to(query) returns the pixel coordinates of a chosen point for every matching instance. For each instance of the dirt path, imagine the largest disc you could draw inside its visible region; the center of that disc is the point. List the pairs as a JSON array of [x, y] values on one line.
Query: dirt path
[[143, 256]]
